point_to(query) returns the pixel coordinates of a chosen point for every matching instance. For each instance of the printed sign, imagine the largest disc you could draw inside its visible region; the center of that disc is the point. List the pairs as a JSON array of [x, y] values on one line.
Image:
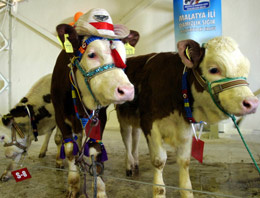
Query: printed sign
[[197, 149], [95, 132], [199, 20], [21, 174]]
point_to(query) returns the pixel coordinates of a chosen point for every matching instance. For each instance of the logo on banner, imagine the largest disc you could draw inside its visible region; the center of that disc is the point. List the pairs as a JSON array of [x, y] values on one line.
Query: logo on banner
[[199, 20], [195, 4]]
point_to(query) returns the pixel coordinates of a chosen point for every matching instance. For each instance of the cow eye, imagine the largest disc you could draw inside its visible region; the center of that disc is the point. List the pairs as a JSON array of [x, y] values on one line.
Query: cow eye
[[91, 55], [214, 70]]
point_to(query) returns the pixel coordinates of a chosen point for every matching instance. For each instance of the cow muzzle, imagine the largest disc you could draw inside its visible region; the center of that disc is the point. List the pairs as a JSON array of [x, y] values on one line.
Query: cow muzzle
[[249, 105], [124, 93]]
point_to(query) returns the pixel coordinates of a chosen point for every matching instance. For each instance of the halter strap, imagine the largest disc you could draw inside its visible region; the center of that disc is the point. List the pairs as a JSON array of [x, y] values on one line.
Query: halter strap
[[14, 140], [84, 45]]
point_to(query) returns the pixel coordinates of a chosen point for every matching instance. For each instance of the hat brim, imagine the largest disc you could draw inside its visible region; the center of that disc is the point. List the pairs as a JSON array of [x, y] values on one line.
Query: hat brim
[[84, 28]]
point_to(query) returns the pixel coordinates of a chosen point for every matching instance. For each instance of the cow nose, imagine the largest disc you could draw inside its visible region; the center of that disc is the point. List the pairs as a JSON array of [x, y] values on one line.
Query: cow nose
[[250, 105], [125, 93]]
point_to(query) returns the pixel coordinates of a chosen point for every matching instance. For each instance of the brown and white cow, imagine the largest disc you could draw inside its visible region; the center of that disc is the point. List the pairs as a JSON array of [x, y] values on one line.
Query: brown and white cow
[[109, 86], [36, 106], [158, 107]]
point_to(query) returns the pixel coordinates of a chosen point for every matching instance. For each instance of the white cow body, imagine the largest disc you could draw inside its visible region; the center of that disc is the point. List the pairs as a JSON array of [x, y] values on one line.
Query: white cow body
[[44, 113]]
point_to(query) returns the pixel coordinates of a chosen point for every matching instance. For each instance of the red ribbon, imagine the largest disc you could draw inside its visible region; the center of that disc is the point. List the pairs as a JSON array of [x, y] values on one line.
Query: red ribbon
[[103, 25]]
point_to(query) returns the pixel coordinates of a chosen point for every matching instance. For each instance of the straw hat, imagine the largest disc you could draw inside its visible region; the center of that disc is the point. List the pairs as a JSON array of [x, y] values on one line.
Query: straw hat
[[97, 22]]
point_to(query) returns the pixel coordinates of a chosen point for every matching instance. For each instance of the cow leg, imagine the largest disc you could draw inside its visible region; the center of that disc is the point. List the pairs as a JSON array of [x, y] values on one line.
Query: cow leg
[[158, 158], [45, 144], [101, 187], [183, 160], [135, 143], [126, 133], [73, 176], [12, 166], [58, 141]]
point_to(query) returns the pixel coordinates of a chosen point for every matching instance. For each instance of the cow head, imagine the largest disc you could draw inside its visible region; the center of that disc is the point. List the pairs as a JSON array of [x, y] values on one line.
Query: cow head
[[220, 61], [109, 86], [5, 137]]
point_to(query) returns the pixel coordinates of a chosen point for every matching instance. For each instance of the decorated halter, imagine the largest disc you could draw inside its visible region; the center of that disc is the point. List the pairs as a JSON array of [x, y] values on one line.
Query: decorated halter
[[95, 71], [15, 128]]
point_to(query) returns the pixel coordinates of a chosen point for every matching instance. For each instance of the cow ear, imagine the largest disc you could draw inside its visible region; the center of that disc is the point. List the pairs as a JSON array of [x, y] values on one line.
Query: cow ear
[[7, 119], [64, 29], [190, 52], [132, 38]]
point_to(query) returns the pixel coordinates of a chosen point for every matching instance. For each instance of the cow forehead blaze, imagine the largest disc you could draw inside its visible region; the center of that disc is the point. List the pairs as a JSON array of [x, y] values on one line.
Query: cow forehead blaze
[[232, 63]]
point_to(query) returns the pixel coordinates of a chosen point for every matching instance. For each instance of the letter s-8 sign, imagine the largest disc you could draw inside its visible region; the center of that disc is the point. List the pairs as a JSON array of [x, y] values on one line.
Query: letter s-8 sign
[[21, 174]]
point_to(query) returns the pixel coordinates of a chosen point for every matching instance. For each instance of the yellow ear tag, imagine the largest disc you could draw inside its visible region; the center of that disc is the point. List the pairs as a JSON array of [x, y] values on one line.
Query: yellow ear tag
[[130, 50], [188, 53], [67, 45]]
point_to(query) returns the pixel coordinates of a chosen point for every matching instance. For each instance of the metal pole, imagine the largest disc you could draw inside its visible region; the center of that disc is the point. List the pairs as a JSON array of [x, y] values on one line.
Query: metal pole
[[10, 53]]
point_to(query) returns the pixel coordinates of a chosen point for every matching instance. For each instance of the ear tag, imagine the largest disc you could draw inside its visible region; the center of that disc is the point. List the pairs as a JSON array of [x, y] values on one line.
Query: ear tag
[[67, 44], [188, 53], [197, 144], [130, 50]]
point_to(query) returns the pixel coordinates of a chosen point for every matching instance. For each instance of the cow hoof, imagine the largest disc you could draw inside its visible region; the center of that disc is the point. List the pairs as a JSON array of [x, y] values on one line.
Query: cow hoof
[[71, 194], [101, 195], [59, 166], [83, 196], [158, 192], [136, 170], [129, 173], [4, 178], [42, 155]]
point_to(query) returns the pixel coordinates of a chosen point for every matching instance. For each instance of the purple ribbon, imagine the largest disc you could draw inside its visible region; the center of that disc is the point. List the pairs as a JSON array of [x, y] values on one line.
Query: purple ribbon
[[75, 147]]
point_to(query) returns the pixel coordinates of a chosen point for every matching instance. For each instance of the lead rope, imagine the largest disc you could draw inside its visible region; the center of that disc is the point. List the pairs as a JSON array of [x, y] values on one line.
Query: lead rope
[[237, 127], [247, 148]]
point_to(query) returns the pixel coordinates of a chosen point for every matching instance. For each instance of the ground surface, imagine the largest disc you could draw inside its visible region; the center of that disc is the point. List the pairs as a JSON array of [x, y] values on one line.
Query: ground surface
[[227, 171]]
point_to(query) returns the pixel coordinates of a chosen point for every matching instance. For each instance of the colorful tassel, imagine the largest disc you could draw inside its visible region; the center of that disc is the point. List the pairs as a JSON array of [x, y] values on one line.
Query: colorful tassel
[[62, 152], [86, 149], [75, 148], [116, 57], [103, 156]]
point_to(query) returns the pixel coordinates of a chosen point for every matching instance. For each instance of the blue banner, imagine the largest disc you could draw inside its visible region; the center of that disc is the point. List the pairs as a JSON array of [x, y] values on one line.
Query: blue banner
[[199, 20]]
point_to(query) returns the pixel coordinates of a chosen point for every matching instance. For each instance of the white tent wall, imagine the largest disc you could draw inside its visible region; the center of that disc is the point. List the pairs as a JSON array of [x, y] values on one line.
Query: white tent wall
[[34, 54]]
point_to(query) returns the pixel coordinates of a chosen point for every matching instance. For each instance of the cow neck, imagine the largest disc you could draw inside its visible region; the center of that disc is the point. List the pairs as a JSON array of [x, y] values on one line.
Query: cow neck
[[185, 95], [32, 122]]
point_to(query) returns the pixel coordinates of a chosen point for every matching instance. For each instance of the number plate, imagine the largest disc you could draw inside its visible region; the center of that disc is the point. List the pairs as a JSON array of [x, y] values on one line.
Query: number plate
[[21, 174]]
